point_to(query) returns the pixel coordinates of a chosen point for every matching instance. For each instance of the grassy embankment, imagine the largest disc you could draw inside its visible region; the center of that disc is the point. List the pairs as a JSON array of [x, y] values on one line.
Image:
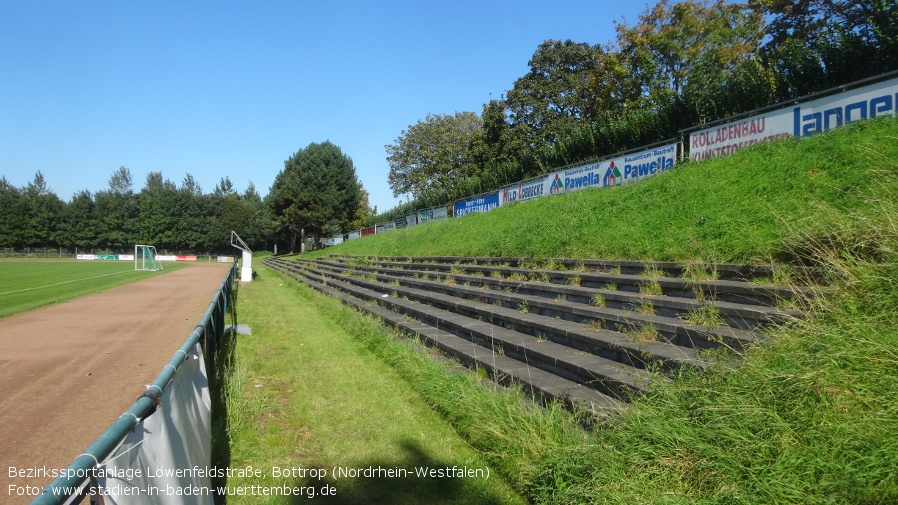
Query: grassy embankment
[[29, 284], [810, 417]]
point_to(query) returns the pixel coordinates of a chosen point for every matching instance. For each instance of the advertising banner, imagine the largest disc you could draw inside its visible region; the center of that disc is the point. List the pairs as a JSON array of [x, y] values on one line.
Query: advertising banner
[[334, 241], [802, 120], [354, 235], [368, 231], [484, 203], [526, 190], [406, 221], [169, 454], [437, 214], [612, 172]]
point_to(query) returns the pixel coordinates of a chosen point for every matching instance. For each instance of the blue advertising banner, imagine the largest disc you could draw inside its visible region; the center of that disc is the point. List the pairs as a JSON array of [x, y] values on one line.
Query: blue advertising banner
[[484, 203]]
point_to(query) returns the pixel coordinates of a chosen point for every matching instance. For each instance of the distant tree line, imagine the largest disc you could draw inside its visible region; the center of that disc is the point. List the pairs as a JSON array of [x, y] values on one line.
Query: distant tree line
[[316, 195], [680, 65], [171, 217]]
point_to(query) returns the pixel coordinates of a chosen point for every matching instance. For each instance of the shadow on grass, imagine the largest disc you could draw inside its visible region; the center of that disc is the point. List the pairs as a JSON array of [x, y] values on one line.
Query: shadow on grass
[[408, 489], [220, 360]]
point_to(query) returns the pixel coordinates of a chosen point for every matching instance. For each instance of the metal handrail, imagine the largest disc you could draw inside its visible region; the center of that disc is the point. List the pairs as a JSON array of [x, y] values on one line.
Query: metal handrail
[[77, 474]]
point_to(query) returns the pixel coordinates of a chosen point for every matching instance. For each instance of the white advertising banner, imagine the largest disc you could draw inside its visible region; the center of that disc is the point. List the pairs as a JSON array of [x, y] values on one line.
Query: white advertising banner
[[612, 172], [527, 190], [437, 214], [802, 120], [354, 235], [167, 457]]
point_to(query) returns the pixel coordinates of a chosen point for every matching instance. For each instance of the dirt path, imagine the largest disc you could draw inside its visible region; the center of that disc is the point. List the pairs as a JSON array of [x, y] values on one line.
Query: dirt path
[[68, 371]]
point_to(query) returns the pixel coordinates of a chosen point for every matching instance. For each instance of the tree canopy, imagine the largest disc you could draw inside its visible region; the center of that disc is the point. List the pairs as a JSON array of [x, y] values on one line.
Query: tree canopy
[[682, 63], [316, 194], [434, 155], [116, 218]]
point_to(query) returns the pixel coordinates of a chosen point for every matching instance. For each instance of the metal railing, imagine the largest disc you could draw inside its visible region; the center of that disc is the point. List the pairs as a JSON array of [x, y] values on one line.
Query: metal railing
[[69, 486]]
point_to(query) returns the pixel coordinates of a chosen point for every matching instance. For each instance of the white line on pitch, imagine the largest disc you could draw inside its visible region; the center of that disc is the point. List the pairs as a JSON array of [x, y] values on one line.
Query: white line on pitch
[[61, 283]]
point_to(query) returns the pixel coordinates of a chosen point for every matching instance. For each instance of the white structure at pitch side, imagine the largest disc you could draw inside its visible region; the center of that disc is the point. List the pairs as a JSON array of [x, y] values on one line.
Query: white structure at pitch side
[[246, 264]]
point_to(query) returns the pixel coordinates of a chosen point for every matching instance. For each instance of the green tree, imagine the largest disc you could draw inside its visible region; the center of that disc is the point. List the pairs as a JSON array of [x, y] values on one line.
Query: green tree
[[316, 194], [689, 56], [116, 212], [554, 96], [231, 211], [365, 211], [816, 44], [80, 221], [254, 234], [434, 155], [13, 213], [158, 206], [193, 216], [42, 226]]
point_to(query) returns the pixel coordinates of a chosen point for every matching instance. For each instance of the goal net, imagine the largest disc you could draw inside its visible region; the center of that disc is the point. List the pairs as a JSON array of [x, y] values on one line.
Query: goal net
[[145, 258]]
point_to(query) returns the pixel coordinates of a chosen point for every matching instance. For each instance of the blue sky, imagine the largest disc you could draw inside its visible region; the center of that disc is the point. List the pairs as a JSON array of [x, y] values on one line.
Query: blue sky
[[233, 89]]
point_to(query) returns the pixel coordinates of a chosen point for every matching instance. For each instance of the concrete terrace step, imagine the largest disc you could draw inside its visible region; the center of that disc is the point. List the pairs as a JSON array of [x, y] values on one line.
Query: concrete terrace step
[[741, 292], [734, 314], [505, 370], [672, 330], [568, 330], [608, 376], [721, 271]]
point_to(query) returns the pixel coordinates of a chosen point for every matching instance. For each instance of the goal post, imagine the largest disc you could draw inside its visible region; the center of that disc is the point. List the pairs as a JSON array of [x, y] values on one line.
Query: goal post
[[145, 258]]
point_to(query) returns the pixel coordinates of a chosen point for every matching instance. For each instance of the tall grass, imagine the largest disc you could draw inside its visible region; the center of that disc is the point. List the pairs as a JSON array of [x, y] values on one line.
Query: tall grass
[[305, 391], [810, 417], [742, 208]]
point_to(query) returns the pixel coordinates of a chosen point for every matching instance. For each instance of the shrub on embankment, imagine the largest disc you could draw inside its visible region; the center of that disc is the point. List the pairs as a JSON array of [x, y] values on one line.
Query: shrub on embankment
[[810, 417]]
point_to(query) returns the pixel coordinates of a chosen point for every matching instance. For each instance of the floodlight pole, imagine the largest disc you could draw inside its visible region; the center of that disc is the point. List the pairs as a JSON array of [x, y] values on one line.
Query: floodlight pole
[[246, 269]]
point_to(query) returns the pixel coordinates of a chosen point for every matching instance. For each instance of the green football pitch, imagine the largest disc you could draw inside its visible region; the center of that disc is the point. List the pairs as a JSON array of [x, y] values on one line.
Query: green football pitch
[[29, 284]]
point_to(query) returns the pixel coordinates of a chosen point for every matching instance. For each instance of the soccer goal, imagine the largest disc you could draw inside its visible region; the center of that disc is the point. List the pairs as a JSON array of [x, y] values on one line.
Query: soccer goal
[[145, 258]]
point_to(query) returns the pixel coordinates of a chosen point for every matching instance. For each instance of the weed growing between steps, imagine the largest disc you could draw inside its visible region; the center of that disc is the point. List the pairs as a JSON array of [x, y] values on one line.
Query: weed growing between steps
[[809, 418]]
